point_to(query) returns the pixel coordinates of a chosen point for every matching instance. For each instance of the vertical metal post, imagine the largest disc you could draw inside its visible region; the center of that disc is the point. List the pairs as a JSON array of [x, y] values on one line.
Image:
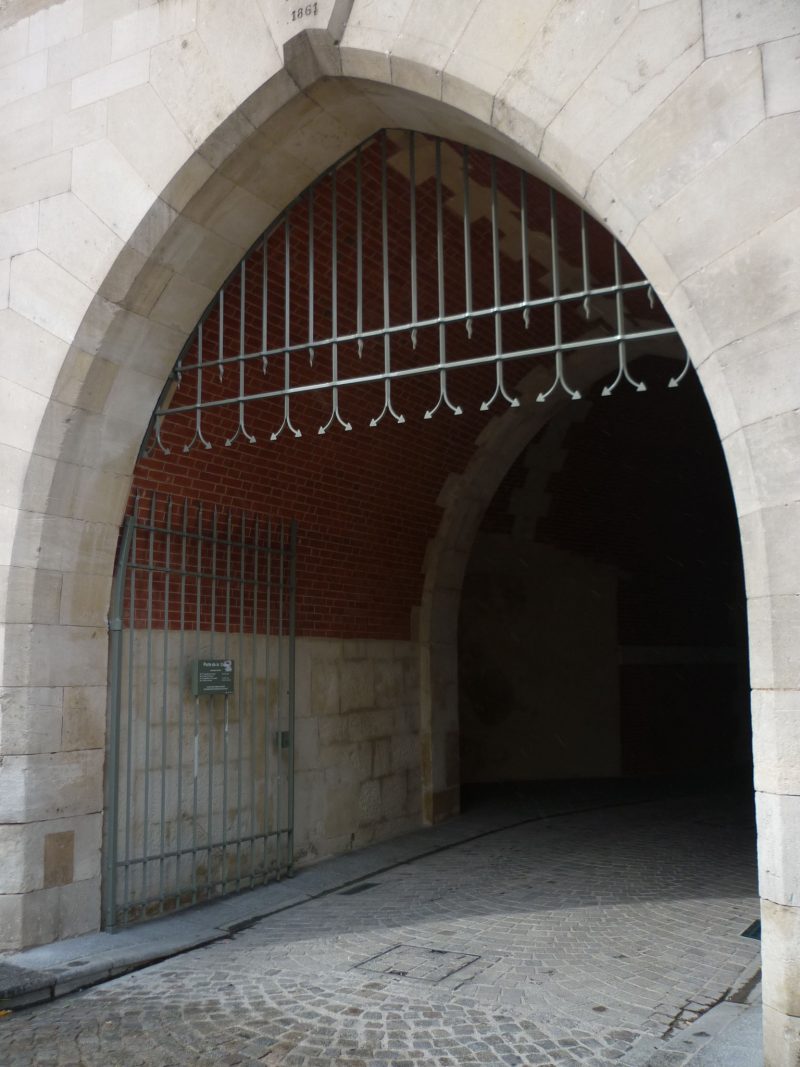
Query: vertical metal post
[[555, 268], [387, 341], [226, 700], [279, 760], [526, 261], [287, 332], [622, 355], [198, 600], [292, 709], [210, 705], [467, 241], [253, 705], [181, 667], [130, 718], [500, 387], [241, 429], [443, 397], [221, 334], [359, 255], [198, 415], [587, 303], [264, 307], [267, 722], [148, 697], [115, 711], [310, 274], [412, 196], [165, 702], [335, 415], [240, 698]]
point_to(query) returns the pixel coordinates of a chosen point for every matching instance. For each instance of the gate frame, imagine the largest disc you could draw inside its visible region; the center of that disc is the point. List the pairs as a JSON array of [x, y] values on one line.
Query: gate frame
[[287, 595]]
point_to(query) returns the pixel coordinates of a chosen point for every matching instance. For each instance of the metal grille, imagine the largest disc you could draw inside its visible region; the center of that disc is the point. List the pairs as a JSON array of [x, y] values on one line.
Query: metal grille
[[200, 787], [411, 258]]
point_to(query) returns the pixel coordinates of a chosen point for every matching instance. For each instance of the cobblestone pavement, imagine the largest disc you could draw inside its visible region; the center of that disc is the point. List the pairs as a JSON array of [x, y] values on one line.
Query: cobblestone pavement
[[570, 940]]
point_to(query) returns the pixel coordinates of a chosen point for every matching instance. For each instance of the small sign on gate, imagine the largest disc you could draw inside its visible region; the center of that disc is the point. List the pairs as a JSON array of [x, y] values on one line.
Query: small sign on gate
[[210, 676]]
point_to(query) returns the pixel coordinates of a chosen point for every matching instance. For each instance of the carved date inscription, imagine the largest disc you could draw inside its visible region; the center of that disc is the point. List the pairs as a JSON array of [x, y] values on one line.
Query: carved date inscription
[[306, 11]]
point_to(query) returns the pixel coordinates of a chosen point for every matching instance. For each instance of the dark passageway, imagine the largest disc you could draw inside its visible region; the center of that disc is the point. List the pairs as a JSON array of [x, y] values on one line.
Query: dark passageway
[[602, 627]]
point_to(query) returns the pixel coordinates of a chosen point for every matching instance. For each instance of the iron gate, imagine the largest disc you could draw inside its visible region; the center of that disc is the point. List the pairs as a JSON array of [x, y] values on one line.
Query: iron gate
[[200, 779]]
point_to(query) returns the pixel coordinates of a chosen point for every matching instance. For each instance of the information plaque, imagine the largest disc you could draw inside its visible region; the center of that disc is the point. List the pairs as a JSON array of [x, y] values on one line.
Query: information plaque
[[210, 676]]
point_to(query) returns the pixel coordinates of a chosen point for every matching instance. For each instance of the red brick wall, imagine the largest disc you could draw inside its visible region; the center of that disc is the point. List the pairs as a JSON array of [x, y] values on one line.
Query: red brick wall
[[365, 500]]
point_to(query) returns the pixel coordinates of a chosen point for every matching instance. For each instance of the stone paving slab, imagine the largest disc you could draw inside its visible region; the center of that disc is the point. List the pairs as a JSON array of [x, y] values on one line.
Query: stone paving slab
[[595, 938]]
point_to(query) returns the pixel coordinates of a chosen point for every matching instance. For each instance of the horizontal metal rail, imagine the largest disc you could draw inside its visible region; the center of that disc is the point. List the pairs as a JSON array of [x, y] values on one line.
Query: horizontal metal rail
[[429, 368], [379, 332], [193, 850]]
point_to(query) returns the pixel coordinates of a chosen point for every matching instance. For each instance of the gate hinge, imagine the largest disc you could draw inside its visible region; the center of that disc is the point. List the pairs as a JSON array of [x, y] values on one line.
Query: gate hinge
[[114, 624]]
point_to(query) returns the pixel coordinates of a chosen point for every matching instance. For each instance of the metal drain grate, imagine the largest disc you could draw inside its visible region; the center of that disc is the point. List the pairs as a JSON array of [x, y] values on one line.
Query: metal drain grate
[[360, 888], [423, 964]]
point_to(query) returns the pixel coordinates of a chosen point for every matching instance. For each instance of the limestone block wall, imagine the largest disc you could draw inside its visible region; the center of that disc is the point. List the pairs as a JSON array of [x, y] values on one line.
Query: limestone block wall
[[358, 775], [356, 760]]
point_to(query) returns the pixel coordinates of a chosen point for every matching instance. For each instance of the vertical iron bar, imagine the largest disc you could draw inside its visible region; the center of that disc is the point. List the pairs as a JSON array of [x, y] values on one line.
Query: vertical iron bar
[[221, 334], [180, 699], [387, 358], [412, 196], [226, 701], [267, 723], [287, 334], [359, 255], [587, 303], [292, 709], [129, 762], [198, 616], [622, 354], [264, 307], [526, 263], [334, 416], [198, 423], [555, 267], [499, 388], [253, 697], [311, 274], [165, 702], [334, 290], [241, 428], [115, 710], [210, 703], [148, 699], [240, 701], [467, 243], [280, 776], [555, 261], [387, 342], [443, 397], [498, 297]]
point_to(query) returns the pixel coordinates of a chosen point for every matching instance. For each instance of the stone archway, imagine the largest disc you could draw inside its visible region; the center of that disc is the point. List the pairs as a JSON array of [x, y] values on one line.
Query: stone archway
[[94, 351]]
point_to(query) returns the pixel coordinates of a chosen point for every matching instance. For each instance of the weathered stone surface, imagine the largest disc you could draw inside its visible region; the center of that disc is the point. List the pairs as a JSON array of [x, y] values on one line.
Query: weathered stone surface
[[780, 954], [728, 27], [782, 75], [60, 785], [778, 817]]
